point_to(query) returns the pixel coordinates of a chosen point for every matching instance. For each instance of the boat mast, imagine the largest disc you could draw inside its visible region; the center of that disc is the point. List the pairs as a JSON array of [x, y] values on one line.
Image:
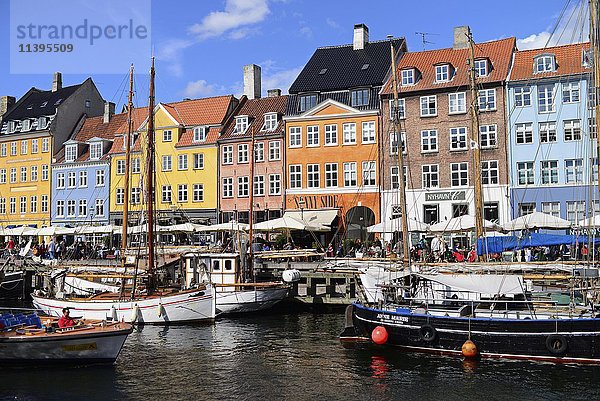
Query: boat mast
[[127, 140], [150, 179], [401, 183], [595, 48], [476, 170], [251, 211]]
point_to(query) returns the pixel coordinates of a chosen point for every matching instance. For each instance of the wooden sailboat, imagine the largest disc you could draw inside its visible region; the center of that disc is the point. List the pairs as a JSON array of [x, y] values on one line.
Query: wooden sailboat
[[491, 321], [150, 305]]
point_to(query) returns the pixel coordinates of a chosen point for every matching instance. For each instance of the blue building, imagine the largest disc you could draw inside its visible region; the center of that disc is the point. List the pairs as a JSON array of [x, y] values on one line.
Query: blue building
[[552, 142], [81, 177]]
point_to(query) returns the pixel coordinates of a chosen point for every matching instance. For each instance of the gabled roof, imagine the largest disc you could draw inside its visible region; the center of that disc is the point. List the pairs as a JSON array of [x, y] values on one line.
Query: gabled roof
[[96, 127], [256, 109], [206, 111], [37, 103], [568, 60], [341, 67], [498, 52]]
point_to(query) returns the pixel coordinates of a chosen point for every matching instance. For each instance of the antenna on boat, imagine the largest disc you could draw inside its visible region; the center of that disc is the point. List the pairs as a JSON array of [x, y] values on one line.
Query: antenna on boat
[[402, 186], [475, 141]]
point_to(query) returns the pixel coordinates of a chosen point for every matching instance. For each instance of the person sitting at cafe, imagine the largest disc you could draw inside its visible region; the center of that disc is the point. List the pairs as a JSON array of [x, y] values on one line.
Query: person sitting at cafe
[[66, 320]]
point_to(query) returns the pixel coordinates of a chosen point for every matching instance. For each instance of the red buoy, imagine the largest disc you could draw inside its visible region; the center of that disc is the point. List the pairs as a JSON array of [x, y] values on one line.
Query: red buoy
[[379, 335]]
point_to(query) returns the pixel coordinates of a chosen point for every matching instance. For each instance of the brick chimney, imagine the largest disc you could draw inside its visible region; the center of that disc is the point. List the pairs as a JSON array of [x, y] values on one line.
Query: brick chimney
[[252, 81], [273, 92], [6, 102], [361, 36], [57, 82], [109, 111], [461, 37]]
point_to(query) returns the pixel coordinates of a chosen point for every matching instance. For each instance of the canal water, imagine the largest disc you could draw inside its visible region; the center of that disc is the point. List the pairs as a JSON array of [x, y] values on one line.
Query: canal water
[[289, 356]]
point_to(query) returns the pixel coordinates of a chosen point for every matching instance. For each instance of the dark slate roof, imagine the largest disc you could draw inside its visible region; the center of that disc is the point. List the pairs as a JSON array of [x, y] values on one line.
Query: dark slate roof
[[345, 67], [293, 105], [31, 105]]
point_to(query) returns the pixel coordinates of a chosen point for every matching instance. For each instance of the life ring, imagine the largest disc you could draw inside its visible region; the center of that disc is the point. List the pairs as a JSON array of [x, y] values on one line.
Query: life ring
[[428, 333], [557, 344]]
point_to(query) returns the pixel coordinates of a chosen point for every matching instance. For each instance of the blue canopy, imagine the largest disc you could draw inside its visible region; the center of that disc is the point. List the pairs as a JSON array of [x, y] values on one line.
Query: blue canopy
[[511, 242]]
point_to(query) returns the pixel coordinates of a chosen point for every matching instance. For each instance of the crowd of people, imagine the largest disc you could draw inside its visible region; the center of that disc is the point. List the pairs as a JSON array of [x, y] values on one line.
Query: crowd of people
[[59, 249]]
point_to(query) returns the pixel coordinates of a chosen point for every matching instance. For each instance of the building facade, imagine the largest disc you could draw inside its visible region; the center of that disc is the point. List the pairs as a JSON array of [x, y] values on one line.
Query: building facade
[[81, 178], [435, 123], [333, 131], [31, 137], [552, 152]]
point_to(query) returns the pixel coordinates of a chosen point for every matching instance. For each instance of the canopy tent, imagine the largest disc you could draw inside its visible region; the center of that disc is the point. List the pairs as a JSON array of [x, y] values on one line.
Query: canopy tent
[[535, 220], [182, 228], [394, 225], [485, 284], [54, 230], [229, 226], [107, 229], [22, 230], [281, 224], [512, 242], [460, 224], [318, 220]]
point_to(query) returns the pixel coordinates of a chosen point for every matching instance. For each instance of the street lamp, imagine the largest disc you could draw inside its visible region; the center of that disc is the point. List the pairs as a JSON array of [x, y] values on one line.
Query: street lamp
[[301, 203]]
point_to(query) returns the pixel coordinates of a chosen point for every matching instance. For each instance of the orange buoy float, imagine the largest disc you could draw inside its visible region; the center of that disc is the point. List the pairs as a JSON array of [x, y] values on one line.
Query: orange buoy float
[[469, 349], [379, 335]]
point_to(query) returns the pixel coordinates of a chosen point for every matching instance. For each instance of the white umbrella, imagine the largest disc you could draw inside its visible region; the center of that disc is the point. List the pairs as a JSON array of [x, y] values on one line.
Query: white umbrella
[[536, 220], [593, 221], [182, 228], [281, 223], [54, 230], [462, 223], [229, 226], [390, 226], [107, 229], [23, 230]]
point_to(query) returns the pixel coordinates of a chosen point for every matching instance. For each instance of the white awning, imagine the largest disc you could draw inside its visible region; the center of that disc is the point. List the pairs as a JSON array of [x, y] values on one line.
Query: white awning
[[395, 225], [317, 220], [487, 284], [461, 224], [281, 224], [536, 220]]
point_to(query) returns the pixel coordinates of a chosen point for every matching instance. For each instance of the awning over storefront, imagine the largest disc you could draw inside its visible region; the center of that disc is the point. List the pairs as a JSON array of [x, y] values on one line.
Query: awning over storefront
[[317, 220]]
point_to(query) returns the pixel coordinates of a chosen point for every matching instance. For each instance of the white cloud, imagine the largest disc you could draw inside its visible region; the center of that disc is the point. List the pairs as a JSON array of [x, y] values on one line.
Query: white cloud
[[332, 23], [199, 88], [238, 13], [306, 31], [572, 28], [280, 79]]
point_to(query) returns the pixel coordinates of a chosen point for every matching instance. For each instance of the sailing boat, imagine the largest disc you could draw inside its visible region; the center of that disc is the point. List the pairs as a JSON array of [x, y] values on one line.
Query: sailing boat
[[154, 305], [488, 315]]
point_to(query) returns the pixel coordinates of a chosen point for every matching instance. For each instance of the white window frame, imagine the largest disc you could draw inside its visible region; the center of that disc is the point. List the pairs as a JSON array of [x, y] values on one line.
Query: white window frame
[[270, 122], [458, 139], [429, 141], [487, 99], [349, 133], [295, 171], [522, 96], [331, 175], [368, 132], [312, 136], [242, 152], [350, 174], [570, 92], [459, 174], [274, 150], [525, 173], [407, 76], [547, 130], [457, 103], [549, 172], [428, 106], [430, 176], [490, 172], [295, 134], [442, 73], [274, 184], [227, 153], [488, 136], [313, 176], [524, 133]]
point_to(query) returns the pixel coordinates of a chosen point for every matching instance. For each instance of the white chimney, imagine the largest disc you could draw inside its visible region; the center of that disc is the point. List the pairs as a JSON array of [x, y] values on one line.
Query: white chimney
[[109, 111], [461, 37], [361, 36], [57, 82], [252, 83]]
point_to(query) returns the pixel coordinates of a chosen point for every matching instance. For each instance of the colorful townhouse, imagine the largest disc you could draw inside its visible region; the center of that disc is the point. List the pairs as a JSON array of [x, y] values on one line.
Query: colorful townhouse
[[333, 131], [435, 124], [186, 162], [262, 117], [81, 177], [552, 141], [32, 135]]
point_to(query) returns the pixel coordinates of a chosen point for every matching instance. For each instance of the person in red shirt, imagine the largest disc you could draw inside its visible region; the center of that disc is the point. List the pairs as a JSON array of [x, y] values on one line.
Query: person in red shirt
[[66, 320]]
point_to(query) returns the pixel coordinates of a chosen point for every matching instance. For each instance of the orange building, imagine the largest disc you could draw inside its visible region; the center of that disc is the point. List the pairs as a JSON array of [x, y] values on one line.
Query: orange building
[[332, 132]]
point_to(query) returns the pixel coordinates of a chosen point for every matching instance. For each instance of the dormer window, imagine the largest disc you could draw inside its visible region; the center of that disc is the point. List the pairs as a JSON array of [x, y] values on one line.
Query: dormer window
[[307, 102], [26, 126], [44, 104], [70, 153], [58, 102], [359, 97], [13, 126], [95, 151], [408, 77], [544, 63], [270, 122], [200, 134], [442, 73], [481, 67], [241, 124]]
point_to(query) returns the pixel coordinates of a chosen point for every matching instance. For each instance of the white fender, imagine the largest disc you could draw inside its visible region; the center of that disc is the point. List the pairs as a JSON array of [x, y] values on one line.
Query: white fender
[[135, 313], [161, 310], [113, 313]]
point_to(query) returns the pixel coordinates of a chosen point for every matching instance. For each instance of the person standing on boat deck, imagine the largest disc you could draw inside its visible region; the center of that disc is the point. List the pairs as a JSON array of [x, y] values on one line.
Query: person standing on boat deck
[[66, 320]]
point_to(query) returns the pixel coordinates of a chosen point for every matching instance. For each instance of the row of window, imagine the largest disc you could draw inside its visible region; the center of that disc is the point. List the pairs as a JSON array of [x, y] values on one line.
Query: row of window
[[358, 97], [24, 147], [459, 139], [243, 152], [23, 174], [431, 212], [443, 73], [33, 204], [575, 209], [243, 186], [330, 135], [70, 180], [28, 124], [96, 151], [167, 163], [459, 174], [573, 170], [547, 131], [546, 95], [79, 209], [331, 175]]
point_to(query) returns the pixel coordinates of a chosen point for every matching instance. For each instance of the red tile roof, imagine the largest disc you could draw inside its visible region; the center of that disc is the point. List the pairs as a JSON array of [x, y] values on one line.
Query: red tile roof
[[568, 62], [187, 138], [498, 52], [206, 111], [256, 109], [95, 127]]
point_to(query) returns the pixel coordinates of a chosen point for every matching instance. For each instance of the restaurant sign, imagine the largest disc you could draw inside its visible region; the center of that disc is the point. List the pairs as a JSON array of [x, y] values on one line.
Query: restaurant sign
[[445, 196]]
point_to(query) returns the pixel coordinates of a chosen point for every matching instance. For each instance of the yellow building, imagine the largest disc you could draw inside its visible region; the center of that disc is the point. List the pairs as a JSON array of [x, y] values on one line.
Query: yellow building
[[186, 162], [33, 129]]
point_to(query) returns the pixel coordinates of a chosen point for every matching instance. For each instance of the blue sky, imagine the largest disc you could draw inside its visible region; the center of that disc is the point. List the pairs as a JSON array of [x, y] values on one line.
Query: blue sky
[[201, 46]]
